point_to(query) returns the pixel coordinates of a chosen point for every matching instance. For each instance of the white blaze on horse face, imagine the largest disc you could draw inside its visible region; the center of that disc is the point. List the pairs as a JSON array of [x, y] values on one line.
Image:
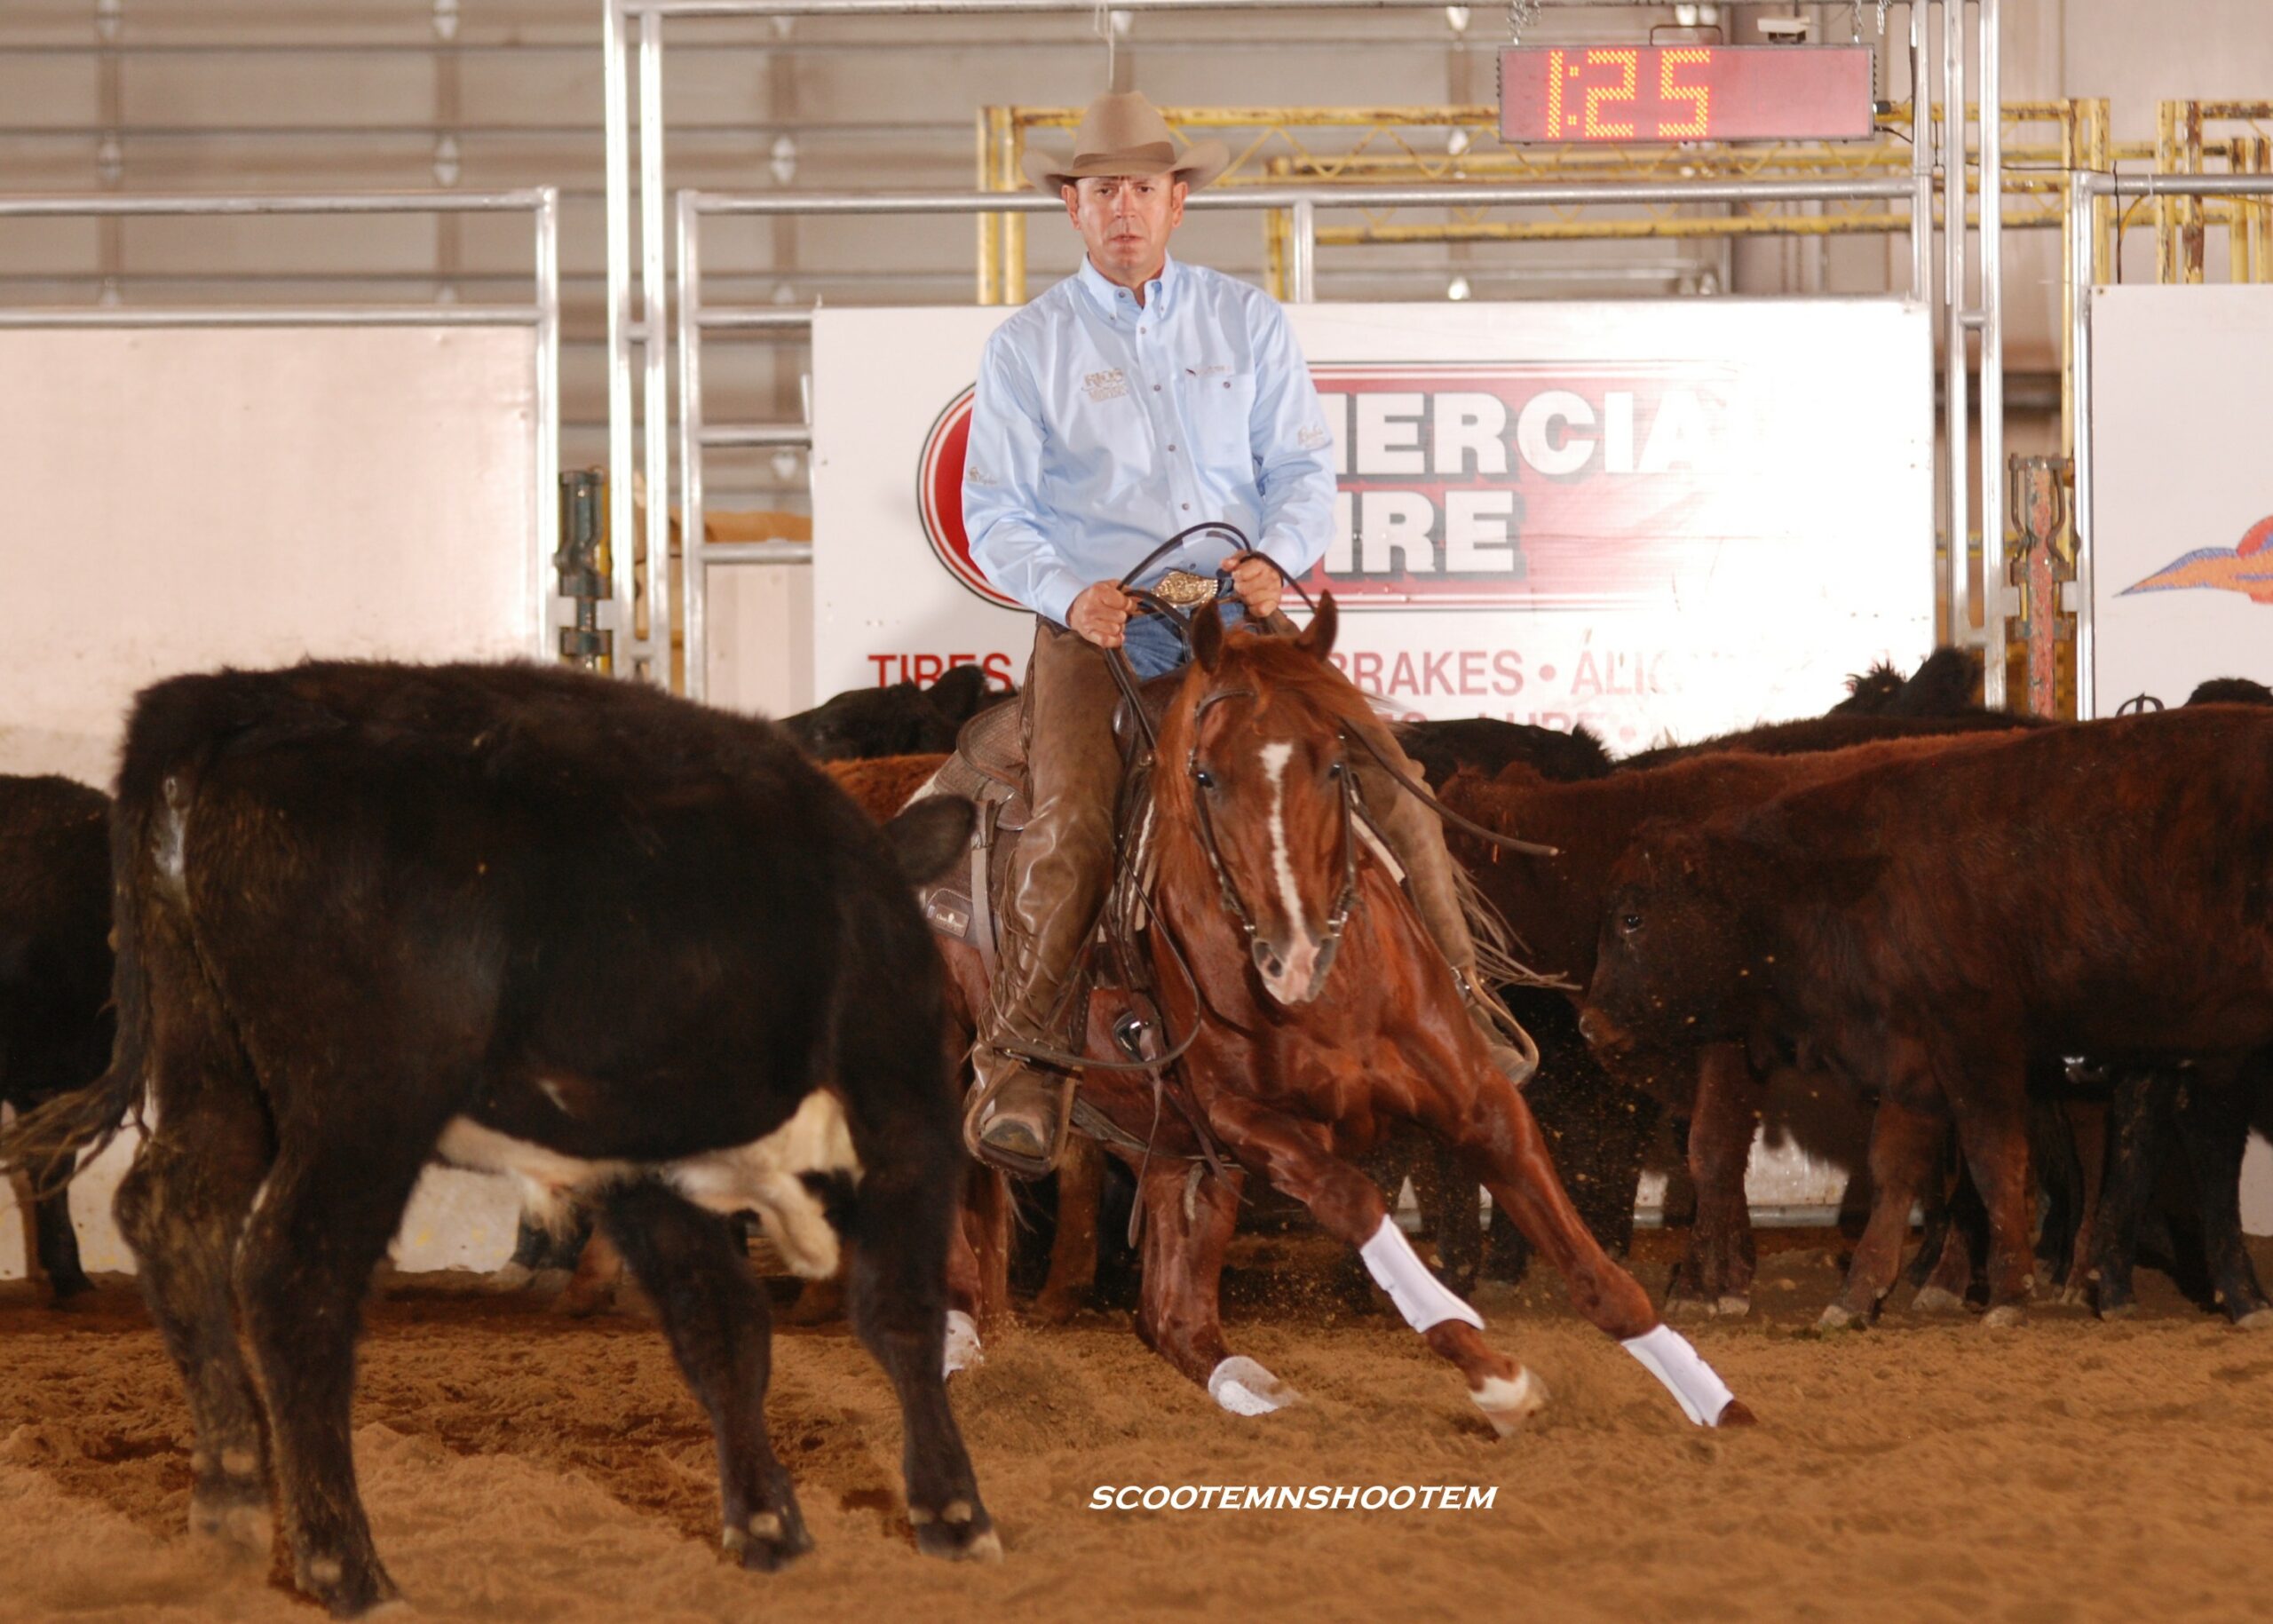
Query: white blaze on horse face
[[1298, 955]]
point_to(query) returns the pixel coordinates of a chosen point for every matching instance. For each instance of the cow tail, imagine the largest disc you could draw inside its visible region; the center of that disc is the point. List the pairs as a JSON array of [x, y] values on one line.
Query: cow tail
[[46, 1144]]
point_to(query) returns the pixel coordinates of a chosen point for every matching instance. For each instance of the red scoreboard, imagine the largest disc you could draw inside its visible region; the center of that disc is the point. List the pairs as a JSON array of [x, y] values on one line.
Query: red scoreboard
[[1577, 93]]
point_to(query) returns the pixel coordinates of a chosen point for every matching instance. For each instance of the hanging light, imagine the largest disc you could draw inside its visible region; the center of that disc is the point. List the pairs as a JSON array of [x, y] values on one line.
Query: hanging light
[[1458, 290]]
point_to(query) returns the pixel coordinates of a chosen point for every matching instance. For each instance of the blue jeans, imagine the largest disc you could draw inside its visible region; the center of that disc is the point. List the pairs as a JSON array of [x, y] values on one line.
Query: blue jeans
[[1152, 645]]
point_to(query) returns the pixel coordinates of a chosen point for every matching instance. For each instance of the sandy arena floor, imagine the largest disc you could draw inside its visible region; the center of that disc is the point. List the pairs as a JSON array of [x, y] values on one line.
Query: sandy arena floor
[[518, 1464]]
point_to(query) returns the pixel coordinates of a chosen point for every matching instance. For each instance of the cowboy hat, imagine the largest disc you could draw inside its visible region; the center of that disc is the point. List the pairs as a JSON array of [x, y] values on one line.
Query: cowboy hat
[[1124, 134]]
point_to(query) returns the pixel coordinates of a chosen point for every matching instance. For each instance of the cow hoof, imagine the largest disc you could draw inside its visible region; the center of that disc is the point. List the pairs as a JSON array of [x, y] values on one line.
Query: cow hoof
[[1839, 1317], [960, 1532], [2118, 1310], [1246, 1388], [345, 1594], [1731, 1307], [230, 1512], [771, 1541], [1509, 1402], [1936, 1299], [1686, 1310], [60, 1292], [512, 1277], [2004, 1317], [963, 1350], [2256, 1320]]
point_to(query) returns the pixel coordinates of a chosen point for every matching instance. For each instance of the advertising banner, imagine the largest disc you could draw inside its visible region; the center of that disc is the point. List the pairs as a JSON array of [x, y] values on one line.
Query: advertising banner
[[1660, 520], [2181, 494]]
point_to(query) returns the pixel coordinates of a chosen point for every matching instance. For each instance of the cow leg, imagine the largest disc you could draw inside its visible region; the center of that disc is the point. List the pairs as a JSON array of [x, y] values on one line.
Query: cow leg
[[2088, 1125], [1903, 1144], [2142, 1101], [58, 1246], [2214, 1129], [181, 1207], [898, 1281], [1074, 1252], [1190, 1214], [319, 1230], [1992, 1132], [1721, 1129], [715, 1315]]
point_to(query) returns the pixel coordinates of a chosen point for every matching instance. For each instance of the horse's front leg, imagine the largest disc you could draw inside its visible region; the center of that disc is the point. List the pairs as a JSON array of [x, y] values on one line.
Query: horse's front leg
[[1190, 1214], [1349, 1206], [1498, 1132]]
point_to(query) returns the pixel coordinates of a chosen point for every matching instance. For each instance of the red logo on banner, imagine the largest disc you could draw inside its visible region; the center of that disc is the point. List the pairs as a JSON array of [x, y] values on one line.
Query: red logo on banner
[[939, 497]]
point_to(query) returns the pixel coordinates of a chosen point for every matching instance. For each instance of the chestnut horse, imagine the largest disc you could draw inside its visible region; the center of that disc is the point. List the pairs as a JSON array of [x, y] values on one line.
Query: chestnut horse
[[1312, 1010]]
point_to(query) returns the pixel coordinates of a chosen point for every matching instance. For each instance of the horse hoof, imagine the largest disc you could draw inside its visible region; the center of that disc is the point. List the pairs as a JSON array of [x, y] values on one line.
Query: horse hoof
[[1508, 1402], [1936, 1299], [1731, 1307], [959, 1533], [1839, 1317], [346, 1595], [2005, 1316], [1737, 1414], [2256, 1320], [1246, 1388], [770, 1543], [962, 1351]]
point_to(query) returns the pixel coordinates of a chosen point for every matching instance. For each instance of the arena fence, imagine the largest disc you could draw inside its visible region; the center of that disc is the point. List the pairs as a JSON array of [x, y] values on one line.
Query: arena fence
[[1965, 170]]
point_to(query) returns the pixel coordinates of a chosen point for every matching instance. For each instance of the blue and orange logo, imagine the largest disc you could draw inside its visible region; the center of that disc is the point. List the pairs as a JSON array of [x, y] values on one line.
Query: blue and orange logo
[[2246, 567]]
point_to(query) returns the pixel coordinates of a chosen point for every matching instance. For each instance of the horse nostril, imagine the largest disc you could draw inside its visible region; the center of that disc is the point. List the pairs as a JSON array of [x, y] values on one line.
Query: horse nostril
[[1268, 961]]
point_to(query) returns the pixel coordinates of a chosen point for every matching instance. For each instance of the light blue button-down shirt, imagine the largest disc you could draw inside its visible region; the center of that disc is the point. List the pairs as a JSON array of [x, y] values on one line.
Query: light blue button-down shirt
[[1102, 427]]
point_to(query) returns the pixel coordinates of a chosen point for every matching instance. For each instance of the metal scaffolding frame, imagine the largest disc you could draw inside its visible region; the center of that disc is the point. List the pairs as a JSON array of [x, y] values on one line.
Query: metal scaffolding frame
[[633, 36], [542, 313], [2085, 234]]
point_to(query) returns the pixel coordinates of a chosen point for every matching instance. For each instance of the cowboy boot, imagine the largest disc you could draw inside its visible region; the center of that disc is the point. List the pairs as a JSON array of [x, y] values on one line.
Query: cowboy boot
[[1416, 834], [1057, 880]]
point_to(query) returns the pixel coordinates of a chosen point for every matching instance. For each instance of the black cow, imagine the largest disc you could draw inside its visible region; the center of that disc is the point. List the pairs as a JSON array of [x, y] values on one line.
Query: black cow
[[523, 920], [904, 719], [1926, 928], [55, 965], [1486, 745], [1945, 684]]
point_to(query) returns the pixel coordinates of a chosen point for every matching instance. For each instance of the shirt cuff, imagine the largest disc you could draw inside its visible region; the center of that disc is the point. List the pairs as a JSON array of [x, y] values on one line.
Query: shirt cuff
[[1286, 550], [1054, 595]]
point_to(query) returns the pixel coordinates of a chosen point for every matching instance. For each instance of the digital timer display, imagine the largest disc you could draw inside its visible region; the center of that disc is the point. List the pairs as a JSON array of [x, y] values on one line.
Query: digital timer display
[[1577, 93]]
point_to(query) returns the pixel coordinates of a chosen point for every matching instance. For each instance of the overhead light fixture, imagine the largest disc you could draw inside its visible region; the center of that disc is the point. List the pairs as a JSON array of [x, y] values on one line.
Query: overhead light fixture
[[1458, 290]]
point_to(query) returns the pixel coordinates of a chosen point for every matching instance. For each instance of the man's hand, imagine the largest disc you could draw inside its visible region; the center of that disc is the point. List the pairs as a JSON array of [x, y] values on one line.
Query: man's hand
[[1101, 613], [1256, 581]]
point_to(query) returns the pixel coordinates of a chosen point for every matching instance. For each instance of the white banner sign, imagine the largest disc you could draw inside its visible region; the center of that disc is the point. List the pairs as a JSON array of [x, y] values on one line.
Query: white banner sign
[[1662, 518], [2182, 493]]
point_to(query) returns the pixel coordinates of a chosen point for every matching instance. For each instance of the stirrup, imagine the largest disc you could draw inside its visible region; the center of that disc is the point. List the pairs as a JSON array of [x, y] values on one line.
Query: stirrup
[[1513, 1052]]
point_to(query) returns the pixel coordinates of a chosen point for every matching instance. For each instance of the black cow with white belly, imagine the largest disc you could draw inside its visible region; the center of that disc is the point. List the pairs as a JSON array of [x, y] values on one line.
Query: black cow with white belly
[[371, 916]]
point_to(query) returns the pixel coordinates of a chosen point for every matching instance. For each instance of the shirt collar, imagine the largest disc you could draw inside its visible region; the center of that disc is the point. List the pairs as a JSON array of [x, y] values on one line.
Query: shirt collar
[[1159, 293]]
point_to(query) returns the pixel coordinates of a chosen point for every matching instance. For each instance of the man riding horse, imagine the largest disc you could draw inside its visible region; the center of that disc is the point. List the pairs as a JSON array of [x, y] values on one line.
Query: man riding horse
[[1137, 399]]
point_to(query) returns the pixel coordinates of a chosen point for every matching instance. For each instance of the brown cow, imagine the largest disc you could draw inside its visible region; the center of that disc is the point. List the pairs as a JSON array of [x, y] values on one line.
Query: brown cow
[[1925, 926], [1555, 904]]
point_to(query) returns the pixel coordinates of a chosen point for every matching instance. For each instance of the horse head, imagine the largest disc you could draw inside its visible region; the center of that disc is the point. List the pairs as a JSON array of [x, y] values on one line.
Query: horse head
[[1255, 749]]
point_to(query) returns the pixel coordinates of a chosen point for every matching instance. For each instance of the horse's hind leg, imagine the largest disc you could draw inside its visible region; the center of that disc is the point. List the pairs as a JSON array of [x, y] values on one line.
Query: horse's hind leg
[[714, 1314], [181, 1207], [1505, 1142], [1189, 1216]]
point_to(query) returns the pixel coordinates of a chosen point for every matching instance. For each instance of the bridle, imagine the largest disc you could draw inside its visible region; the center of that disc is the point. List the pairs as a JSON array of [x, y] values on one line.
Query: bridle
[[1344, 905]]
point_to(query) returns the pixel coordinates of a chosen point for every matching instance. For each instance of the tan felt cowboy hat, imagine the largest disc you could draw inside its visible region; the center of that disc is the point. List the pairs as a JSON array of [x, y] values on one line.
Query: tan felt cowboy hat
[[1124, 134]]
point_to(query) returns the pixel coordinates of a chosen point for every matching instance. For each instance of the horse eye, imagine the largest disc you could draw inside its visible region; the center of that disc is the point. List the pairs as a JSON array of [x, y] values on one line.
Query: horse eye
[[1203, 778], [1334, 771], [1630, 923]]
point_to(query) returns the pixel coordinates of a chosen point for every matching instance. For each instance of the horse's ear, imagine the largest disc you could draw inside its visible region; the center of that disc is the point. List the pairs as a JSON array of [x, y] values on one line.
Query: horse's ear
[[1207, 637], [1317, 636]]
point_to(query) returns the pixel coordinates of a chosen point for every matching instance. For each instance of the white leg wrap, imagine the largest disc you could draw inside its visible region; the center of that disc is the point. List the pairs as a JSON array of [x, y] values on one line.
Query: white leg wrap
[[1246, 1388], [962, 1349], [1420, 1295], [1666, 1354]]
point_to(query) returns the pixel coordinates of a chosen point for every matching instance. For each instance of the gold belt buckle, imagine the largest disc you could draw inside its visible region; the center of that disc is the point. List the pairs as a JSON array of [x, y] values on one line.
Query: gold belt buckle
[[1183, 589]]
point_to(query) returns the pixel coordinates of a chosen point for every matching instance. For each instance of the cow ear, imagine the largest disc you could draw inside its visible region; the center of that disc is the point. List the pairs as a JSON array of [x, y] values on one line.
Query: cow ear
[[1317, 636], [1207, 637]]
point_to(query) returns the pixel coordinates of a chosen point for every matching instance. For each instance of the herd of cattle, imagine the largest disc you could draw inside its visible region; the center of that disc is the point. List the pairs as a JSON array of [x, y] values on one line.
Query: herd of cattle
[[344, 918]]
